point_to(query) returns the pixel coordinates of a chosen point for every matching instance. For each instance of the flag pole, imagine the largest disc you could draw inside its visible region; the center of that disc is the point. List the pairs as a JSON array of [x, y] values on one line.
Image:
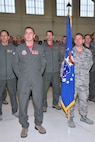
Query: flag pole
[[68, 112]]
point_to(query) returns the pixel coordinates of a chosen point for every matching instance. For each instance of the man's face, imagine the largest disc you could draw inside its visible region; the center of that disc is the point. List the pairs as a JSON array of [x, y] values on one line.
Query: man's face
[[87, 39], [18, 38], [64, 40], [49, 36], [78, 40], [29, 35], [4, 37]]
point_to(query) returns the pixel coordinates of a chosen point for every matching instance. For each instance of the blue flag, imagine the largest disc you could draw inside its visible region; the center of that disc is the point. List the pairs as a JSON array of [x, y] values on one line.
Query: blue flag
[[68, 76]]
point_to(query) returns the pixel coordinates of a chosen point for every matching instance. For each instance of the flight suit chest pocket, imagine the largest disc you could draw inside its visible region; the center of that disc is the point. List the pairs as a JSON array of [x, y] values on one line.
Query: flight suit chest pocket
[[35, 54]]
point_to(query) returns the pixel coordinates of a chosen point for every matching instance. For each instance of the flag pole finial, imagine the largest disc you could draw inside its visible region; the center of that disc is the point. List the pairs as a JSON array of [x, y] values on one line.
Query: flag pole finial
[[68, 5]]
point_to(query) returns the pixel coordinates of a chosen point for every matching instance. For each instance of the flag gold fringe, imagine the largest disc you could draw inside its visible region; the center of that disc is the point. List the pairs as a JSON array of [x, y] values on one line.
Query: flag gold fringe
[[68, 107]]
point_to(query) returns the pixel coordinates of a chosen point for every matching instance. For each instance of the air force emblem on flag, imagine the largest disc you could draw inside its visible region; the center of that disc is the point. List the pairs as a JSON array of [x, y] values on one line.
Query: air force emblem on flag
[[69, 61], [66, 69]]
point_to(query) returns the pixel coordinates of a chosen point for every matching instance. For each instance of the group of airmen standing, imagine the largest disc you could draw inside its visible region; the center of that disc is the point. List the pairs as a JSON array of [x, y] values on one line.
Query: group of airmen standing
[[30, 68]]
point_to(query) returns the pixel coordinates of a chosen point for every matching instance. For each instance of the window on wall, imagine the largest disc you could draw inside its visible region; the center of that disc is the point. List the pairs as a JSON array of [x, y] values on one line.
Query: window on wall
[[35, 7], [86, 8], [7, 6], [61, 7]]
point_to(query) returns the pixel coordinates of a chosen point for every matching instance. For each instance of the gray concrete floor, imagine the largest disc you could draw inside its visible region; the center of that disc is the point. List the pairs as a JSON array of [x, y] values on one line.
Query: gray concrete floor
[[55, 123]]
